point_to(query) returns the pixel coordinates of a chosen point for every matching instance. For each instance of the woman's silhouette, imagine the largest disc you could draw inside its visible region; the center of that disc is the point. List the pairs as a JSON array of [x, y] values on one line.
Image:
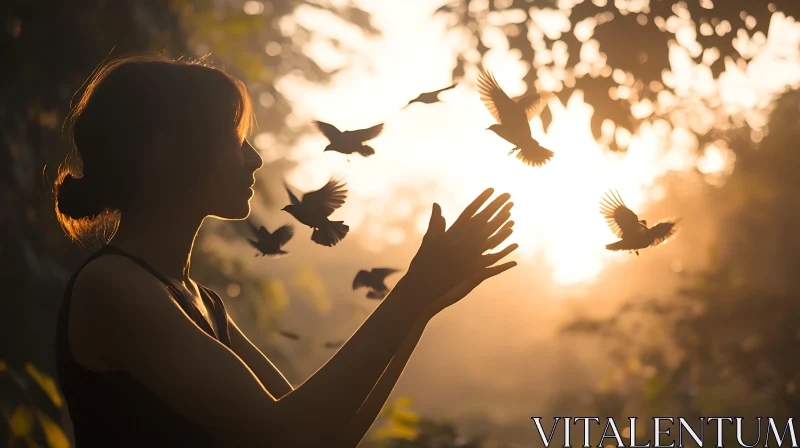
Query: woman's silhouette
[[147, 356]]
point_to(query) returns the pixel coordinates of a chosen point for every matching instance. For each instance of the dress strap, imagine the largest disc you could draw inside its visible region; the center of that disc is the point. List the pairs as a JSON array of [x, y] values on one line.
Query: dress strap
[[187, 305]]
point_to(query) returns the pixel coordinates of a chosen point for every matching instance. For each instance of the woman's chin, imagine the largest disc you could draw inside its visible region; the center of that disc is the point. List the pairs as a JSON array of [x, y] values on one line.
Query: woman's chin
[[240, 212]]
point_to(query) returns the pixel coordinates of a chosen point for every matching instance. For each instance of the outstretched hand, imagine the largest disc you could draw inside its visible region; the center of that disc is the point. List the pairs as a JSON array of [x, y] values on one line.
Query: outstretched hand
[[451, 263]]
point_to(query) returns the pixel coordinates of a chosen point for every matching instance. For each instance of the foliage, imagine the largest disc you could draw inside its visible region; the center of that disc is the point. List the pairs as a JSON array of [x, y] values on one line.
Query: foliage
[[730, 331], [617, 53], [29, 398], [50, 49], [400, 427]]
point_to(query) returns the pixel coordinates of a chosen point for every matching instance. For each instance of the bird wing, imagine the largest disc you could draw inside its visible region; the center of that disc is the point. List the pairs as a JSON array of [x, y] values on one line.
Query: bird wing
[[328, 198], [283, 234], [377, 293], [534, 103], [436, 92], [294, 200], [328, 130], [363, 135], [661, 231], [493, 97], [620, 218], [361, 279], [253, 228]]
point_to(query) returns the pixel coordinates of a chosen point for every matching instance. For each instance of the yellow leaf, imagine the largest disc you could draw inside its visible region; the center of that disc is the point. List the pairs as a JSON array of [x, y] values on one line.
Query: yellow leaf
[[46, 383], [397, 432], [3, 365], [55, 436], [21, 422]]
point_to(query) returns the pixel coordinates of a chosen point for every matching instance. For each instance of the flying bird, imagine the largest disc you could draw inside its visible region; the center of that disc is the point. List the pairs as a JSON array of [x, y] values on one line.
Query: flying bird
[[633, 232], [334, 344], [270, 244], [513, 119], [315, 208], [374, 280], [349, 142], [289, 335], [429, 97]]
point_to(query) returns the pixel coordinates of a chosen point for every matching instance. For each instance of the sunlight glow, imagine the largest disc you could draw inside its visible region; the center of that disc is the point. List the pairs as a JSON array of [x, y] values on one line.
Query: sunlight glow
[[443, 152]]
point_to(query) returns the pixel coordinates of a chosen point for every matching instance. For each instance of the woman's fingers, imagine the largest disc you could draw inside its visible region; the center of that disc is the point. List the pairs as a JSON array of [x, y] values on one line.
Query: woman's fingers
[[501, 235], [472, 208], [499, 269], [490, 259], [502, 216], [485, 214]]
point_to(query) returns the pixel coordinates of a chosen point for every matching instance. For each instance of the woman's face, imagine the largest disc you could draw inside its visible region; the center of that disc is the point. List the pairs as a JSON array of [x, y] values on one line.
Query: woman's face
[[226, 181]]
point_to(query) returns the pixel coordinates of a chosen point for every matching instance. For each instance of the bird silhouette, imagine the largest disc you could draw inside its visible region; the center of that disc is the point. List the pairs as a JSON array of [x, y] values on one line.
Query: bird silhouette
[[349, 142], [633, 232], [429, 97], [289, 335], [374, 280], [513, 118], [315, 208], [333, 344], [270, 244]]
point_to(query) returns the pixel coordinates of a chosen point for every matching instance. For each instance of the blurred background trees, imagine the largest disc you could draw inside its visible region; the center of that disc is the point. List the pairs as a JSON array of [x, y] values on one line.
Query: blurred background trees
[[49, 50], [724, 344]]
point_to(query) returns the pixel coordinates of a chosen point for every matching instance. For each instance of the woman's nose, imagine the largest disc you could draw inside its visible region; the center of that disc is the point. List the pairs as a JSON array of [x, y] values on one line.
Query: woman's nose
[[252, 157]]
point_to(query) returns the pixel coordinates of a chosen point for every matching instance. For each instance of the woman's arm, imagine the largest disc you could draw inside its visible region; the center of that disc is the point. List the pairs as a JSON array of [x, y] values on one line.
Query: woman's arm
[[139, 329], [369, 411], [135, 326], [269, 375]]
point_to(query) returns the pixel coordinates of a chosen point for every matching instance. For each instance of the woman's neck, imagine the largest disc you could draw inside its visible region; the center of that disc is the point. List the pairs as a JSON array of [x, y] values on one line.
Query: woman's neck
[[163, 240]]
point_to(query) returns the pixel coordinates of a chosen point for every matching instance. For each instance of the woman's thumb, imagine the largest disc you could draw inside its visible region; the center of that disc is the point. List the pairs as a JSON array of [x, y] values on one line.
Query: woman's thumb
[[436, 224]]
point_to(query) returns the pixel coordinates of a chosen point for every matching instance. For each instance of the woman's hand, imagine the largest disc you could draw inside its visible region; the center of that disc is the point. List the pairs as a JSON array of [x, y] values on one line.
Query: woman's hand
[[450, 263]]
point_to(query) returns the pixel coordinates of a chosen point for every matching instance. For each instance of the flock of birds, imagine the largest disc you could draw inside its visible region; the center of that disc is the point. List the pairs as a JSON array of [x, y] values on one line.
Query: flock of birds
[[513, 125]]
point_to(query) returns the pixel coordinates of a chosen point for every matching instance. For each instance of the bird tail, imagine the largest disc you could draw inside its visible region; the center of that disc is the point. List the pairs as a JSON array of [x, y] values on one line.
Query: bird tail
[[615, 246], [622, 245], [534, 154], [365, 150], [330, 233], [277, 254]]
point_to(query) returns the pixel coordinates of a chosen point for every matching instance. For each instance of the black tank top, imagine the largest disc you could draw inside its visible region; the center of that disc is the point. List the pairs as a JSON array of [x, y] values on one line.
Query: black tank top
[[112, 409]]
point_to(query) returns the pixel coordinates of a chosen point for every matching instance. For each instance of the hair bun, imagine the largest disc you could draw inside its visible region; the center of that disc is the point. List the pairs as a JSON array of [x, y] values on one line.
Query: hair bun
[[77, 198]]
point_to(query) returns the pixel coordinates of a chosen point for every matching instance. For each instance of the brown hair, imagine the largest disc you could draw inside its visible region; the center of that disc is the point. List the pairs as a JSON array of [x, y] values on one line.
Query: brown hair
[[127, 102]]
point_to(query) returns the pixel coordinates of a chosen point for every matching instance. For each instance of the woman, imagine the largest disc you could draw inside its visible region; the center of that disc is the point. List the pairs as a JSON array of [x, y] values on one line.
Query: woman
[[149, 357]]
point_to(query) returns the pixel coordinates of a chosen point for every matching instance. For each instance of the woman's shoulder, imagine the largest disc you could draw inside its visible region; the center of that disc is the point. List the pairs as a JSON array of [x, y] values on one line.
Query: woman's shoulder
[[112, 297], [113, 277]]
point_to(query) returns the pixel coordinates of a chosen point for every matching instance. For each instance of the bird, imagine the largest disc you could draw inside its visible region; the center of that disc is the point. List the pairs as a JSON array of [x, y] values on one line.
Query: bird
[[349, 142], [633, 232], [513, 119], [270, 244], [429, 97], [374, 280], [316, 207], [333, 344], [289, 335]]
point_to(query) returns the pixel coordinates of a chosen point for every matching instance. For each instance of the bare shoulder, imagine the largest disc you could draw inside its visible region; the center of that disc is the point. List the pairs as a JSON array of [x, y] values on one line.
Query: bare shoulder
[[113, 297]]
